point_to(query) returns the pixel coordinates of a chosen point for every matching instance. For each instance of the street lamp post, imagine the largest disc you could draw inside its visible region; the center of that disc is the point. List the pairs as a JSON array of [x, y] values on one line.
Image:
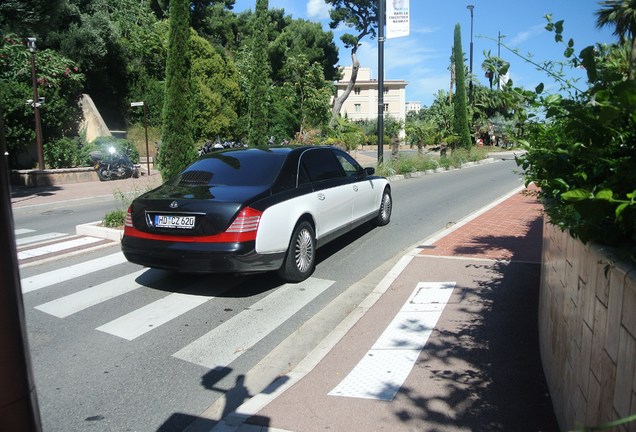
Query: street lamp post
[[36, 105], [470, 85]]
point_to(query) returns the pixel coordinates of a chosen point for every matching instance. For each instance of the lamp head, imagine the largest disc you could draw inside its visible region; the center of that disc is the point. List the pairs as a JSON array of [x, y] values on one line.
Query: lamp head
[[31, 44], [470, 8]]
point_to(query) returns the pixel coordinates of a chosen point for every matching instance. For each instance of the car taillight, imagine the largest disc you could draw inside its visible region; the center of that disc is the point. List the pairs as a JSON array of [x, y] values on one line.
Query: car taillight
[[246, 222], [128, 219]]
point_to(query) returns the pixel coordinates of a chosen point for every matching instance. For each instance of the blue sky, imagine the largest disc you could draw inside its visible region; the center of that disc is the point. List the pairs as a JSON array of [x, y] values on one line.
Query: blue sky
[[422, 58]]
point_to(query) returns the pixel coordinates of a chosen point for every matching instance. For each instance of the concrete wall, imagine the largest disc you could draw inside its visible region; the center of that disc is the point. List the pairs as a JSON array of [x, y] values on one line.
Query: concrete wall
[[92, 121], [587, 330], [38, 178]]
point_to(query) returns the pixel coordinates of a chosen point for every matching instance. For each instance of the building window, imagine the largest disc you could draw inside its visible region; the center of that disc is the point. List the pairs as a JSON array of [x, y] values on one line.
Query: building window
[[386, 107], [357, 108], [356, 90]]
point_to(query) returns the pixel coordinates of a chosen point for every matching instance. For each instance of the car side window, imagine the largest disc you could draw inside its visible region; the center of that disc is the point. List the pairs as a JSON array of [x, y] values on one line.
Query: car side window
[[349, 164], [321, 164]]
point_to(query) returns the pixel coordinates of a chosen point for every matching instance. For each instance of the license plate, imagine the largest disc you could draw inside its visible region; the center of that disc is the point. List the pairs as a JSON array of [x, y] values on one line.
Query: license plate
[[170, 221]]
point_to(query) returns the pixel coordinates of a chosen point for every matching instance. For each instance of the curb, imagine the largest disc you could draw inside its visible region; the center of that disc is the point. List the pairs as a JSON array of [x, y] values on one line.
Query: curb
[[94, 230], [416, 174]]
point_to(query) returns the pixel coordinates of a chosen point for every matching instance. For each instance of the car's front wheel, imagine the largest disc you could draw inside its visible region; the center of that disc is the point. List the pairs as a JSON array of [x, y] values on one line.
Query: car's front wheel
[[386, 206], [300, 259]]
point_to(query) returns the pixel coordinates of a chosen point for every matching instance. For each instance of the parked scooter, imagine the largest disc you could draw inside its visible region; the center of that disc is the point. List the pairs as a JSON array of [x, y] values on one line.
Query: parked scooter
[[115, 165]]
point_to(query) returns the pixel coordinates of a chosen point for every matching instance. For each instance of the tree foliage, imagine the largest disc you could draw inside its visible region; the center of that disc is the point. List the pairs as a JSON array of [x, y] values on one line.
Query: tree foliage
[[621, 15], [177, 146], [121, 47], [216, 92], [460, 108], [582, 156], [59, 82], [259, 78], [361, 16]]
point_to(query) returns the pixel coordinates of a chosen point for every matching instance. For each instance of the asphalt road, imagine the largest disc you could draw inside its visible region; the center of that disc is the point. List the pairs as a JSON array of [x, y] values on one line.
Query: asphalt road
[[122, 348]]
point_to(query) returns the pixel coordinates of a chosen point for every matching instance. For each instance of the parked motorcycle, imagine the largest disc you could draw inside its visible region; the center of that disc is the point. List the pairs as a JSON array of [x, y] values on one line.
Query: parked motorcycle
[[114, 165]]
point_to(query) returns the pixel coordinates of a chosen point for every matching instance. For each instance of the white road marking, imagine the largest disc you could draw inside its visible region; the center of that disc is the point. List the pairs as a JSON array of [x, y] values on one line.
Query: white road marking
[[43, 280], [23, 231], [57, 247], [149, 317], [247, 328], [385, 367], [39, 238], [73, 303]]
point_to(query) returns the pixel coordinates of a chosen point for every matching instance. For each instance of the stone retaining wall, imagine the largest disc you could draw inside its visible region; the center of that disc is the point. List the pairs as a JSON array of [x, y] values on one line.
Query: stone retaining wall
[[53, 177], [587, 330]]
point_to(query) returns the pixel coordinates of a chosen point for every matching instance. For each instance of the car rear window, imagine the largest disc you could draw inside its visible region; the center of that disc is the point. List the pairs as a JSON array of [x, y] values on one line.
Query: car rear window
[[234, 168]]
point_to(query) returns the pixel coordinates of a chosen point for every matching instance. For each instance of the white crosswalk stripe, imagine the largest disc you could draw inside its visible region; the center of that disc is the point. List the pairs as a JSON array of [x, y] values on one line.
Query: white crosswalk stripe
[[44, 280], [250, 326], [23, 231], [77, 302], [39, 238], [57, 247], [147, 318]]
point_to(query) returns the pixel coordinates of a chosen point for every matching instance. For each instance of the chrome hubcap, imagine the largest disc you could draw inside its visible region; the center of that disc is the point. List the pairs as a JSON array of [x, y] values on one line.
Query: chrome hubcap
[[386, 207], [303, 251]]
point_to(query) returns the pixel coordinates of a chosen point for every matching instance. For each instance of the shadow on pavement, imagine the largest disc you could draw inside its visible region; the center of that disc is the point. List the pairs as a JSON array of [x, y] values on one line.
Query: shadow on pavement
[[501, 386]]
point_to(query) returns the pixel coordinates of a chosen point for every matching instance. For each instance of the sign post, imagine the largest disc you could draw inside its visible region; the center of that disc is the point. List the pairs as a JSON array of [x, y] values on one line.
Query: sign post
[[136, 104], [397, 25]]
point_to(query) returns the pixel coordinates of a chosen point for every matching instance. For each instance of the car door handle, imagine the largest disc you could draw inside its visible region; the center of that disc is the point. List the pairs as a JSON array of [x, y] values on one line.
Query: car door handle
[[321, 196], [355, 188]]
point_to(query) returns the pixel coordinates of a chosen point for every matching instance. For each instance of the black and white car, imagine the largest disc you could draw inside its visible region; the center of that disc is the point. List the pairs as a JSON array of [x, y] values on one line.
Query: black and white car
[[253, 210]]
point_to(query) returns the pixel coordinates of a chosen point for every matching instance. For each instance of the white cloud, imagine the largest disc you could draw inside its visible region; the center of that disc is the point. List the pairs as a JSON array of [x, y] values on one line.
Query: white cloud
[[523, 36], [317, 9]]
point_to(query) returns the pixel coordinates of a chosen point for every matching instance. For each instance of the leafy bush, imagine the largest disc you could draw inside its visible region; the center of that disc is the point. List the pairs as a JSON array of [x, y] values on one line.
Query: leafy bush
[[63, 153], [583, 156], [114, 219], [407, 164]]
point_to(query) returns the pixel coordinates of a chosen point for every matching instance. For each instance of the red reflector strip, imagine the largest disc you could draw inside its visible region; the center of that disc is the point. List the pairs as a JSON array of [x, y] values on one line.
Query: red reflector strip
[[243, 229], [217, 238]]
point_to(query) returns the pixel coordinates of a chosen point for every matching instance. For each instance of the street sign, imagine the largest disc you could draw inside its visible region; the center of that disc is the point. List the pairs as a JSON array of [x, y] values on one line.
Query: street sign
[[133, 104]]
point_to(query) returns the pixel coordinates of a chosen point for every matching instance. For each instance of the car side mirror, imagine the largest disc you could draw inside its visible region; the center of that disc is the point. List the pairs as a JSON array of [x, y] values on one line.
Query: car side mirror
[[369, 171]]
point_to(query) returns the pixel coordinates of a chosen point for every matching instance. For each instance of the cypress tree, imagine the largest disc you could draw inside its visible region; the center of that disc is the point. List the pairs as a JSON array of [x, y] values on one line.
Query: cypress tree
[[460, 108], [259, 78], [177, 146]]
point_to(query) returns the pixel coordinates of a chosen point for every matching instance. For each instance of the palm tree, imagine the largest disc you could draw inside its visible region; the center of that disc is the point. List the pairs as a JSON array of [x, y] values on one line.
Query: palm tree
[[622, 15], [494, 68]]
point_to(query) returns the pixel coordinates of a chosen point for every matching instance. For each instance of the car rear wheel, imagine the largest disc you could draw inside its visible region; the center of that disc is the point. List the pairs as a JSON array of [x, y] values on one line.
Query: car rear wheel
[[300, 260], [386, 206]]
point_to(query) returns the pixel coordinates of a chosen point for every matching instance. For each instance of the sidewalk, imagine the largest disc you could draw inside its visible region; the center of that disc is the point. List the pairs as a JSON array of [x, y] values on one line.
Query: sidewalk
[[23, 196], [447, 342]]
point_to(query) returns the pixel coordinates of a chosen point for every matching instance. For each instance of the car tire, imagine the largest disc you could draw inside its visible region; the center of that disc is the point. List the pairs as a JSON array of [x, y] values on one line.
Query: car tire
[[300, 260], [386, 206]]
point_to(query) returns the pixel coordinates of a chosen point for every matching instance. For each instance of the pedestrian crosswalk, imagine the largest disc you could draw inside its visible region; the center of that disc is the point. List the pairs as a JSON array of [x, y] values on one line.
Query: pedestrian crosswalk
[[33, 246], [86, 288]]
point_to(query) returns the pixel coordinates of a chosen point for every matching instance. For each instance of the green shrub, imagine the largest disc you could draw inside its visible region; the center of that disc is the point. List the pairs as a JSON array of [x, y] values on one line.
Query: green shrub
[[62, 153], [582, 157], [407, 165], [114, 219], [460, 156]]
